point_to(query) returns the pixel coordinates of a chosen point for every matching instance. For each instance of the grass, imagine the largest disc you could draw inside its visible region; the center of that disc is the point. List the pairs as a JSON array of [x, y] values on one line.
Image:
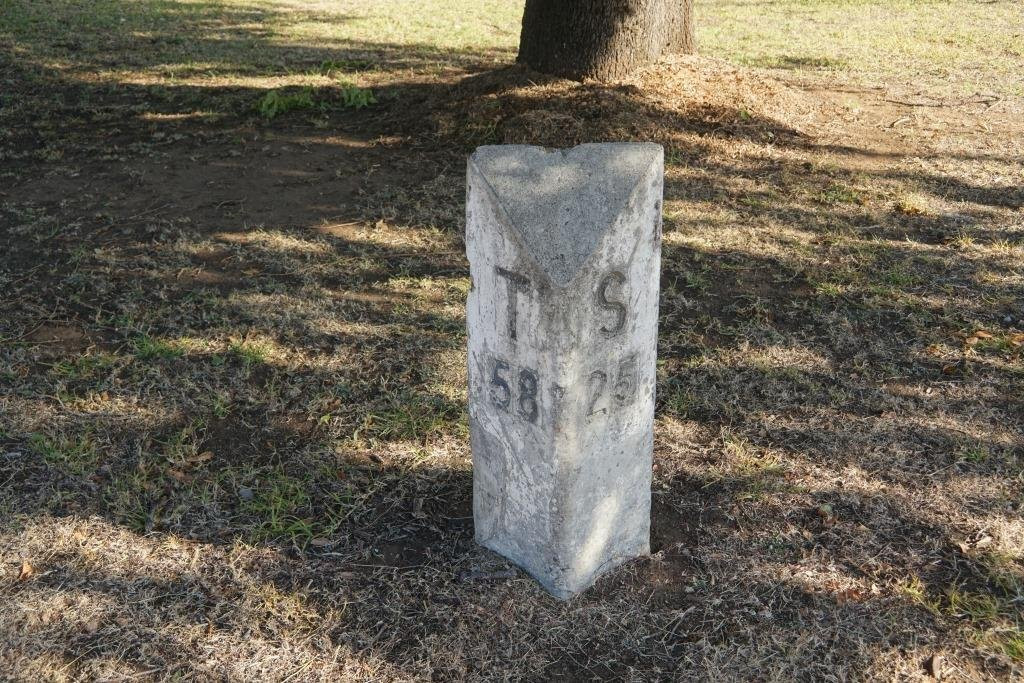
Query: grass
[[84, 367], [412, 417], [355, 97], [73, 454], [146, 349], [275, 103], [250, 353], [277, 505], [974, 50], [274, 481]]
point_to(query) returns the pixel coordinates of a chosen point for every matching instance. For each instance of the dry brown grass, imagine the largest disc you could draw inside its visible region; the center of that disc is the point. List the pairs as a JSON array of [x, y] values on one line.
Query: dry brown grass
[[232, 414]]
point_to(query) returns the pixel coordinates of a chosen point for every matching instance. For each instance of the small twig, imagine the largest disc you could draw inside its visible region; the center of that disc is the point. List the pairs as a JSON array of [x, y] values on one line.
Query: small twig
[[9, 340], [992, 99], [422, 253], [467, 576], [916, 104], [349, 224], [129, 219], [24, 277], [297, 671], [389, 566]]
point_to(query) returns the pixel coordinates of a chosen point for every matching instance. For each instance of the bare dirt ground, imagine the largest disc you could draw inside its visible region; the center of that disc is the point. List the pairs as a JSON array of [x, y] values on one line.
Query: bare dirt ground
[[233, 441]]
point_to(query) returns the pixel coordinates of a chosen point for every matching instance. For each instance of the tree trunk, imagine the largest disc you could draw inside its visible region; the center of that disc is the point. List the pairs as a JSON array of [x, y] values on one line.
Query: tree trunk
[[602, 39], [680, 36]]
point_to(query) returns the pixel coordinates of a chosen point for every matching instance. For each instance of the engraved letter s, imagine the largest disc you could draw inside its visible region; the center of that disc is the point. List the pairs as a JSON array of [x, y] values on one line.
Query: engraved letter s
[[617, 306]]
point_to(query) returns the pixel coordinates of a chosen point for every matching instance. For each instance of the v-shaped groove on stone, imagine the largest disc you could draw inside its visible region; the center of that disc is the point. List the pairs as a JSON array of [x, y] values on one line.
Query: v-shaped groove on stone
[[562, 203]]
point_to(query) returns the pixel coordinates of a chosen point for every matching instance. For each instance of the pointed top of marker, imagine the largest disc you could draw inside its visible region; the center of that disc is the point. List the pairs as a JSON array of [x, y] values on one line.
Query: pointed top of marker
[[563, 202]]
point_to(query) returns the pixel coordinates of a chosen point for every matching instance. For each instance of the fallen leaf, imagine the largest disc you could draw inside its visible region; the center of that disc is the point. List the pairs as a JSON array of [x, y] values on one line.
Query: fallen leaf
[[982, 334], [933, 665], [179, 475], [92, 626], [202, 457], [27, 570], [849, 595], [971, 341], [320, 541]]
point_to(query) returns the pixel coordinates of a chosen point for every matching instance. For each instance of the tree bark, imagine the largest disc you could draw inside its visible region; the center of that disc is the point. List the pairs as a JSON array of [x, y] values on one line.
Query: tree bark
[[602, 39], [680, 36]]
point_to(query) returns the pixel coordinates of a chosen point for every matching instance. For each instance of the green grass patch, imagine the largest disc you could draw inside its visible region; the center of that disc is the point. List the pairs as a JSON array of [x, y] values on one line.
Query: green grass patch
[[277, 102], [84, 367], [679, 402], [250, 353], [840, 194], [901, 275], [287, 507], [972, 605], [127, 498], [917, 592], [354, 97], [1013, 644], [412, 417], [182, 447], [76, 454], [147, 348], [336, 67], [280, 505]]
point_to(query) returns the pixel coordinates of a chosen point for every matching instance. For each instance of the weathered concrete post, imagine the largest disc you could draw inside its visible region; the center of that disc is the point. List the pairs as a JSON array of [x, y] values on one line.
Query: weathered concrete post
[[564, 249]]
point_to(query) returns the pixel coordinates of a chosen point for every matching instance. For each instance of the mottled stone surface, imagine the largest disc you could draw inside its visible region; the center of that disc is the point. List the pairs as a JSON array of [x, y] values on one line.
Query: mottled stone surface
[[564, 249]]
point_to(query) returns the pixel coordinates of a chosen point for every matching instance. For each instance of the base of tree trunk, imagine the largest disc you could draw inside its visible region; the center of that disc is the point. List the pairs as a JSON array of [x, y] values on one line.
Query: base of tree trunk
[[602, 39]]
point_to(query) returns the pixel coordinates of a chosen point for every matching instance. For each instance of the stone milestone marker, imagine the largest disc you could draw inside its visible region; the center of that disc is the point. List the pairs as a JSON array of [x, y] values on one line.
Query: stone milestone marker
[[564, 249]]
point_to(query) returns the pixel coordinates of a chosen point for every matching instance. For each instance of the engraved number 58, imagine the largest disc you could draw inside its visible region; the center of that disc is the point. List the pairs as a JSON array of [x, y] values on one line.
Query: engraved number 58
[[501, 393]]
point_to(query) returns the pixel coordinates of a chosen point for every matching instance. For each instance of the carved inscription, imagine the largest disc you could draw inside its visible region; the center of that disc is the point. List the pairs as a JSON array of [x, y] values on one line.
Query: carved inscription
[[618, 307], [516, 284], [514, 390], [604, 399]]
